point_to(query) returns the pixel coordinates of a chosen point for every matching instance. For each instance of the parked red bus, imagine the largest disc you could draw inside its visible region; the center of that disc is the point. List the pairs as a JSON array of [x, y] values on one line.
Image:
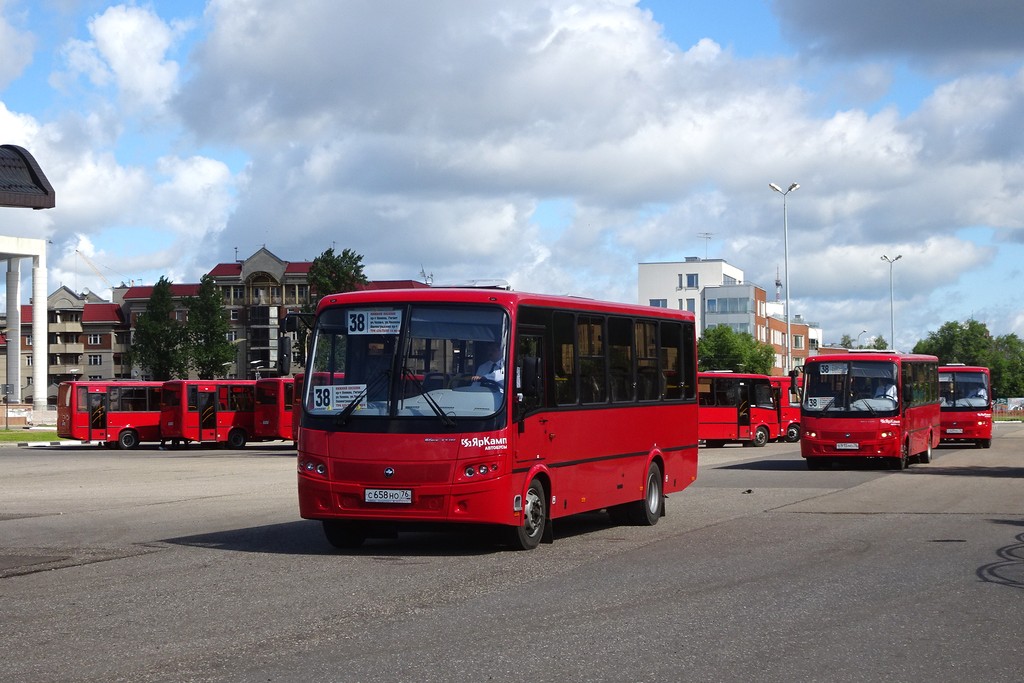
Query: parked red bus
[[275, 408], [787, 398], [121, 412], [965, 403], [736, 408], [874, 404], [407, 419], [219, 411]]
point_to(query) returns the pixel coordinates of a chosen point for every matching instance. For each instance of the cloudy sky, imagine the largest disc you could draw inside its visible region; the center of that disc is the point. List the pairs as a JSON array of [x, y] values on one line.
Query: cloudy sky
[[554, 144]]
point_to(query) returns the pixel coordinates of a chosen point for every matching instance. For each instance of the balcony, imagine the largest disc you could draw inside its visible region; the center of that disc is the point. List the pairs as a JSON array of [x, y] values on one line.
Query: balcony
[[65, 370], [76, 349], [75, 327]]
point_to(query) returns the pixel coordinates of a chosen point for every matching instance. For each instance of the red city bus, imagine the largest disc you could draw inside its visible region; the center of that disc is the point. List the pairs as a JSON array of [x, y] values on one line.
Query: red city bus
[[787, 398], [219, 411], [870, 404], [736, 408], [409, 417], [109, 411], [965, 404], [275, 406]]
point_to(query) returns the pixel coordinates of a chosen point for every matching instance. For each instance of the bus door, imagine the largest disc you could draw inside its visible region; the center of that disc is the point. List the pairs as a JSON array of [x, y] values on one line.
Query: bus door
[[97, 405], [743, 409], [533, 424], [207, 403]]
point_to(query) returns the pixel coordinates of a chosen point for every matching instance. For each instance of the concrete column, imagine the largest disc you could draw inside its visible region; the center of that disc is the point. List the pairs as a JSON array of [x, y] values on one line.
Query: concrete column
[[40, 321], [14, 327]]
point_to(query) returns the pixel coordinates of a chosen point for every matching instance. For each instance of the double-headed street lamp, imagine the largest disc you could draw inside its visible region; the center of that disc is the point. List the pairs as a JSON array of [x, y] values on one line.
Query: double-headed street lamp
[[892, 319], [785, 247]]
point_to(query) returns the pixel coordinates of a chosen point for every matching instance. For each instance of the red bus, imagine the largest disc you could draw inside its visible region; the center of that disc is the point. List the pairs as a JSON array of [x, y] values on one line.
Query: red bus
[[410, 418], [870, 404], [125, 413], [275, 406], [787, 398], [965, 403], [736, 408], [219, 411]]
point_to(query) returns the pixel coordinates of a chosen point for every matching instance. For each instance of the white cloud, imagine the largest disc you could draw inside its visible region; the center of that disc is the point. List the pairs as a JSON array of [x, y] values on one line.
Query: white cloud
[[128, 49], [15, 49]]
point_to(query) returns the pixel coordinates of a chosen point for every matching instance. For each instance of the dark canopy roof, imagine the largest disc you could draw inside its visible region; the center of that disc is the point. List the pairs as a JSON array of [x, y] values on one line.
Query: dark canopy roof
[[22, 182]]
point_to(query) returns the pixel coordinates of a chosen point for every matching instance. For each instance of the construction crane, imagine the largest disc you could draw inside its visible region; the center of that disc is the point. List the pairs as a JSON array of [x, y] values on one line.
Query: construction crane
[[96, 270]]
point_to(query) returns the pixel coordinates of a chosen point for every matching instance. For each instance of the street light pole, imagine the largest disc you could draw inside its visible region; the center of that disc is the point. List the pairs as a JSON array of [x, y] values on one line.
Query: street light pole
[[892, 319], [785, 247], [858, 337]]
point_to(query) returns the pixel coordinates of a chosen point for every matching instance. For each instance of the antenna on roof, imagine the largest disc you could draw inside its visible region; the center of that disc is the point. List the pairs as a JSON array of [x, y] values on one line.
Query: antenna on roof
[[706, 236]]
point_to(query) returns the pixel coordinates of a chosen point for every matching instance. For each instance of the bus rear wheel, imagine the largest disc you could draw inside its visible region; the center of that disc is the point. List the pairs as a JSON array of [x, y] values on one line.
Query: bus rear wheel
[[647, 511], [761, 437], [128, 439], [926, 457], [343, 535], [236, 438], [528, 535]]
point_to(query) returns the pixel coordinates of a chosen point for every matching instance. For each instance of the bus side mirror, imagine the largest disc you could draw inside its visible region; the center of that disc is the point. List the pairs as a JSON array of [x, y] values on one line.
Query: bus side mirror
[[794, 388], [284, 355]]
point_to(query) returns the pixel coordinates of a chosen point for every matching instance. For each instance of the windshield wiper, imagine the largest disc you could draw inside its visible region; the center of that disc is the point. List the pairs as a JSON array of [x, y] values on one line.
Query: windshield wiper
[[438, 410], [342, 417]]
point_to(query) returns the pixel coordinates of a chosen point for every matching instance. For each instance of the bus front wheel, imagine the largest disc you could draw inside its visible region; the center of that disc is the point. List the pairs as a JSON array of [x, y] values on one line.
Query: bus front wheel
[[792, 433], [760, 437], [528, 535], [128, 439]]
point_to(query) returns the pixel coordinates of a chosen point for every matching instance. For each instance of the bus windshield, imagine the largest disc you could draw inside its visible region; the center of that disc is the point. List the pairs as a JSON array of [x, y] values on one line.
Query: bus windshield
[[408, 361], [850, 387], [963, 389]]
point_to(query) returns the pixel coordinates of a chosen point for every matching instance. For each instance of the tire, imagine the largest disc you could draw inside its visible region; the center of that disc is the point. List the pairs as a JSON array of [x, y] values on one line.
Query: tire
[[792, 433], [647, 511], [236, 439], [926, 457], [760, 437], [128, 439], [343, 535], [900, 462], [984, 443], [528, 535]]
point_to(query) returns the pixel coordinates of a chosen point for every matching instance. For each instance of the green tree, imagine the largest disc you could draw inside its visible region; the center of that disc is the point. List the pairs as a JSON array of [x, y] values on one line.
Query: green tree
[[332, 273], [720, 348], [969, 343], [877, 343], [209, 350], [158, 346], [846, 342]]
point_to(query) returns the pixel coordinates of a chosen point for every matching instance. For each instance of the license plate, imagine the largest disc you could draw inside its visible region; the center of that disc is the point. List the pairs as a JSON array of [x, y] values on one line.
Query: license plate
[[954, 431], [387, 496], [847, 446]]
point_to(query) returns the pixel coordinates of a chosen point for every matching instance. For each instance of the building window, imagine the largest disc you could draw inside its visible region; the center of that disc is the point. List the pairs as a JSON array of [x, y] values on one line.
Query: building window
[[95, 359], [93, 378], [798, 341], [692, 281], [95, 339], [231, 335], [659, 303], [691, 305], [28, 361], [234, 314], [28, 340]]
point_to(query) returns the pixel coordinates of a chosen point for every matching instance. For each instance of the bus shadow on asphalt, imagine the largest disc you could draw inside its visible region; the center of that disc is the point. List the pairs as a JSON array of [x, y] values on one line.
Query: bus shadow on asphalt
[[305, 537]]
